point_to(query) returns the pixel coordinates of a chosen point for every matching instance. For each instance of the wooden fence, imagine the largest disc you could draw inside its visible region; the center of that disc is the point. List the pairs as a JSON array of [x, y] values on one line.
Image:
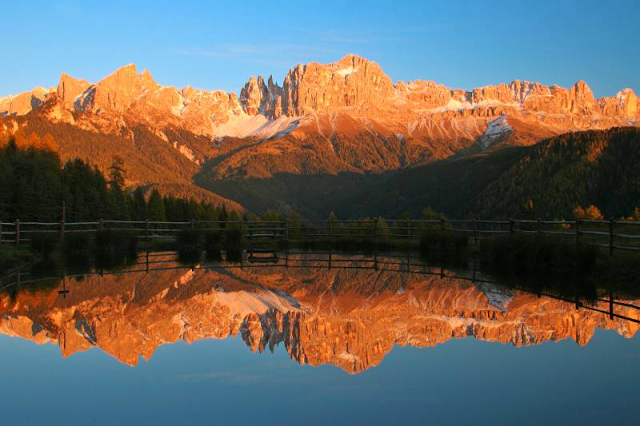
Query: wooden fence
[[614, 235]]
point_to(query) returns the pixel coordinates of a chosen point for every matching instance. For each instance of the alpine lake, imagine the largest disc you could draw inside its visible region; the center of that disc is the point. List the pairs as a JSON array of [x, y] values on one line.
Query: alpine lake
[[309, 338]]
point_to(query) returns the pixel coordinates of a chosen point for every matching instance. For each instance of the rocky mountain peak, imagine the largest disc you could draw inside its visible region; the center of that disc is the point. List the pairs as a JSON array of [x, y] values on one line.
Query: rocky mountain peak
[[629, 102], [187, 91], [257, 97], [69, 89], [251, 95], [351, 82], [582, 97], [22, 103], [117, 91], [354, 60], [625, 93], [125, 71]]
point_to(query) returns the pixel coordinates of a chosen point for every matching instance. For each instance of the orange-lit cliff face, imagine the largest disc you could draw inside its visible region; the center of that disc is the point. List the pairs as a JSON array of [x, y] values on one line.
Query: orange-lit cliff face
[[347, 116], [347, 318]]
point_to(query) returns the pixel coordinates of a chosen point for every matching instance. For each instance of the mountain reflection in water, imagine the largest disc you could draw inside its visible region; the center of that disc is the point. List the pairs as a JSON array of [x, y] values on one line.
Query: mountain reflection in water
[[349, 317]]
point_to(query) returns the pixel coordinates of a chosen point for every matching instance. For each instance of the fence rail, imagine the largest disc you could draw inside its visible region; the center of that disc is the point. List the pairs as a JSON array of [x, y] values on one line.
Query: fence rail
[[614, 235]]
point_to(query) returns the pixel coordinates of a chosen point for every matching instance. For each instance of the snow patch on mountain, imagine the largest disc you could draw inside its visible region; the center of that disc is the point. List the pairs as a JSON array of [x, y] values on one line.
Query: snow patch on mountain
[[346, 71], [180, 106], [346, 356], [496, 129], [243, 125], [498, 297], [187, 152], [244, 302], [623, 96], [84, 99], [278, 128], [6, 99], [456, 105], [240, 125]]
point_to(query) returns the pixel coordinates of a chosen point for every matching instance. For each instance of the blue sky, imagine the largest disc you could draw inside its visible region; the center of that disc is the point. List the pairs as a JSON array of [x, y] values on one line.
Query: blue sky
[[219, 45]]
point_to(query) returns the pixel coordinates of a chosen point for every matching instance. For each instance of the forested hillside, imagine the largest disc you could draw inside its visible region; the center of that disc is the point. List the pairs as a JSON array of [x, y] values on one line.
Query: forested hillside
[[150, 160], [600, 168], [549, 180], [446, 186], [34, 186]]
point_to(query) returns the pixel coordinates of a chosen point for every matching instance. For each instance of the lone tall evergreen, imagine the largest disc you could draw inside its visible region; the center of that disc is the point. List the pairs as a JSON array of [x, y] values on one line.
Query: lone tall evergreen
[[117, 173]]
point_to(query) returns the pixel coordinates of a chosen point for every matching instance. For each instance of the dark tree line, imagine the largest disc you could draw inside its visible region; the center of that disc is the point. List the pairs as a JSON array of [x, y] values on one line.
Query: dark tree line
[[34, 186], [567, 175]]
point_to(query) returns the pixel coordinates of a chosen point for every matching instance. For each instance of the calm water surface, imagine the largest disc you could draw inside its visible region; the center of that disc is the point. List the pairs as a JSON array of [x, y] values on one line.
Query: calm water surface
[[309, 345]]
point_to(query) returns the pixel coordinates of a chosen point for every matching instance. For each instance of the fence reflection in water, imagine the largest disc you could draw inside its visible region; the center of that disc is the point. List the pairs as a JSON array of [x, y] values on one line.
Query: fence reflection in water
[[149, 262]]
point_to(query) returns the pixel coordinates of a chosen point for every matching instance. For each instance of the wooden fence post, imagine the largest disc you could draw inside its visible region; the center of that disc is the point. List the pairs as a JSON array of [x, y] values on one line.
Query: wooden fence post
[[62, 220], [539, 226], [610, 304], [329, 230], [475, 231], [146, 229], [286, 242], [577, 231], [611, 223], [241, 229], [375, 243], [511, 223], [286, 229], [408, 244], [441, 224], [17, 230], [100, 224]]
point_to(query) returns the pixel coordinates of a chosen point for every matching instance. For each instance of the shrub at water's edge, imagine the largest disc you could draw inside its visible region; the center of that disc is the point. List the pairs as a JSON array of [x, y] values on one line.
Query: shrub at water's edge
[[115, 248], [213, 243], [444, 246], [539, 263], [44, 244]]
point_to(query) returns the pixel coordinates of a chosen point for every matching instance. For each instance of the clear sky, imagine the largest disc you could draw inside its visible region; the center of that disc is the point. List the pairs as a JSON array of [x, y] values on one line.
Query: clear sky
[[219, 45]]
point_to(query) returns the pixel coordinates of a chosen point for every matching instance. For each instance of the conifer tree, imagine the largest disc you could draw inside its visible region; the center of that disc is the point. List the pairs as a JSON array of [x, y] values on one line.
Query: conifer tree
[[155, 207], [138, 205], [117, 173]]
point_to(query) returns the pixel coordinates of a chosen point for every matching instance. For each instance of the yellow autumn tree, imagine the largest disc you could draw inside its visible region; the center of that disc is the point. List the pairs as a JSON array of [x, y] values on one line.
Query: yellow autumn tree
[[591, 213], [26, 140]]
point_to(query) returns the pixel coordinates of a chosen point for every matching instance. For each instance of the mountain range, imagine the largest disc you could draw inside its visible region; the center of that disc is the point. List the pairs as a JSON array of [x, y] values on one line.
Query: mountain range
[[330, 133]]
